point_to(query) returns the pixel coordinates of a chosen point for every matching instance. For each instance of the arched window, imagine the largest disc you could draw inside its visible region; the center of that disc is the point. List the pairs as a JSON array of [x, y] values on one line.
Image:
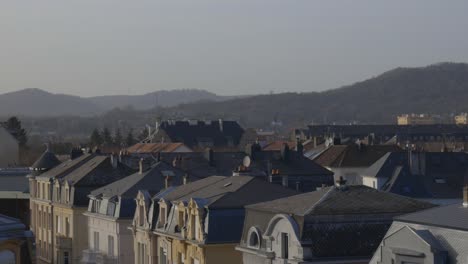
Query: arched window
[[254, 238]]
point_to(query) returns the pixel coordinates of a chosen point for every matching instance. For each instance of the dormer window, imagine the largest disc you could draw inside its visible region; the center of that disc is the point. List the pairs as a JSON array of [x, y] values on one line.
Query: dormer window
[[141, 215], [181, 219], [253, 238], [111, 208], [163, 216]]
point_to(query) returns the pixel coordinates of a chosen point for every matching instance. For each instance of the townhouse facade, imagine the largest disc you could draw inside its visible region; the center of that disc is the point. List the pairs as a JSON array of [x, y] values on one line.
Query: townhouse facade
[[58, 201], [199, 222], [111, 211]]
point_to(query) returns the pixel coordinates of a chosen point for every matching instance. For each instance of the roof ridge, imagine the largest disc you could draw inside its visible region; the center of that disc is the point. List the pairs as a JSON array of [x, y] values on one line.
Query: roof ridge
[[320, 200], [200, 188]]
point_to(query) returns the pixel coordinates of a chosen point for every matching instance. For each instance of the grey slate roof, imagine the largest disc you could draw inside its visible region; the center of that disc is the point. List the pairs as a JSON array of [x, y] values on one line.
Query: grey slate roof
[[151, 180], [66, 167], [432, 175], [46, 161], [342, 201], [220, 133], [453, 216], [236, 192]]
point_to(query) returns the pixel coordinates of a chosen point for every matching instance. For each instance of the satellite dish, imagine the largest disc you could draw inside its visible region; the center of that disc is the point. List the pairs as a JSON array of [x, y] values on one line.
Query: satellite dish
[[246, 162]]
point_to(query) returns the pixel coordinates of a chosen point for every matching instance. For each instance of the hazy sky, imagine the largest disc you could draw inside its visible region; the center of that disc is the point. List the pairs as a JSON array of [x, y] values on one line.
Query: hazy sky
[[96, 47]]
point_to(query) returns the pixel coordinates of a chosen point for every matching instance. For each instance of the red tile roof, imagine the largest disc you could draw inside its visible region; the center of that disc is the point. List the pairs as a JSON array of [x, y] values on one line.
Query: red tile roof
[[154, 147]]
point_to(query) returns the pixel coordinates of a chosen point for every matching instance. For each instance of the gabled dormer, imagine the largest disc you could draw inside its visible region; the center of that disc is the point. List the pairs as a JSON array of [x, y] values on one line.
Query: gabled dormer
[[195, 220], [141, 216]]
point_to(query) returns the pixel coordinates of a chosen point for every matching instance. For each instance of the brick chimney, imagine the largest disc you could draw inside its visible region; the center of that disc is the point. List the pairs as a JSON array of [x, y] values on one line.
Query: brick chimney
[[465, 196]]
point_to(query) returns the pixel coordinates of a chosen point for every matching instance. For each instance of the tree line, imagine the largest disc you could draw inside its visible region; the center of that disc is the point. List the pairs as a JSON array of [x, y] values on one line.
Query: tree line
[[105, 138]]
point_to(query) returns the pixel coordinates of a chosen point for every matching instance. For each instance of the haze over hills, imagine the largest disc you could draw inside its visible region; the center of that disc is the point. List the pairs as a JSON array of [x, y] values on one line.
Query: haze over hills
[[438, 89], [35, 102], [159, 98]]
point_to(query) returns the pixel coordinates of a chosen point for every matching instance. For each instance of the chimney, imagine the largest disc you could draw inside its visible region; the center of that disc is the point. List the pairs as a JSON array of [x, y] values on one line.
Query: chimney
[[220, 121], [209, 156], [75, 153], [341, 182], [113, 160], [315, 141], [465, 196], [336, 141], [300, 148], [285, 181], [186, 178], [285, 152], [168, 181], [298, 186], [141, 166]]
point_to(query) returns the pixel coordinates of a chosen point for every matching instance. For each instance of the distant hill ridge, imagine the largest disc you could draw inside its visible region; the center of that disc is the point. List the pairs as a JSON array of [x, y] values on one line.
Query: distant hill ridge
[[37, 103], [436, 89], [439, 89]]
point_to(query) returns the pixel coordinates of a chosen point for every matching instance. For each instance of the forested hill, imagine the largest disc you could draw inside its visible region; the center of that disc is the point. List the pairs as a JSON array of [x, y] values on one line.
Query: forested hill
[[439, 89]]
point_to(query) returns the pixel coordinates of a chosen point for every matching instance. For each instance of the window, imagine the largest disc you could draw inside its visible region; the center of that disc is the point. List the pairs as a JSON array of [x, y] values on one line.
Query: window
[[66, 258], [96, 241], [181, 219], [284, 245], [197, 228], [180, 258], [67, 195], [111, 208], [162, 255], [67, 226], [59, 224], [163, 216], [254, 240], [141, 215], [110, 246]]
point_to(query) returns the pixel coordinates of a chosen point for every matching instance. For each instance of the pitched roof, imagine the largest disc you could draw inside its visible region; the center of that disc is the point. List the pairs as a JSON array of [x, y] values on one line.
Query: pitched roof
[[154, 147], [428, 175], [234, 192], [46, 161], [354, 155], [341, 201], [191, 133], [66, 167], [278, 145], [453, 216], [152, 180]]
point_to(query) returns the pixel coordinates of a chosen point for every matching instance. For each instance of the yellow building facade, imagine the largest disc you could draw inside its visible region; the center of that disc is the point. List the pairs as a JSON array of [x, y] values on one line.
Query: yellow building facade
[[414, 119]]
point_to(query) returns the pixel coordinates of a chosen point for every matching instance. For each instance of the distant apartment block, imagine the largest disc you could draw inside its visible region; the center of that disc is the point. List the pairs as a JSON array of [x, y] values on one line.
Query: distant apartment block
[[461, 119], [415, 119], [198, 135]]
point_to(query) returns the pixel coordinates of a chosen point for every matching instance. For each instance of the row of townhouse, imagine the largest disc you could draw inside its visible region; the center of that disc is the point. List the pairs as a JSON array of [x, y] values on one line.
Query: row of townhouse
[[58, 199], [162, 213], [62, 215]]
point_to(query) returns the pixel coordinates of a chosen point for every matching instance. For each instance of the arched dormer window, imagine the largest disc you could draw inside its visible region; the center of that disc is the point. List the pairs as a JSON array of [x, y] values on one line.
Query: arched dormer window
[[253, 237]]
